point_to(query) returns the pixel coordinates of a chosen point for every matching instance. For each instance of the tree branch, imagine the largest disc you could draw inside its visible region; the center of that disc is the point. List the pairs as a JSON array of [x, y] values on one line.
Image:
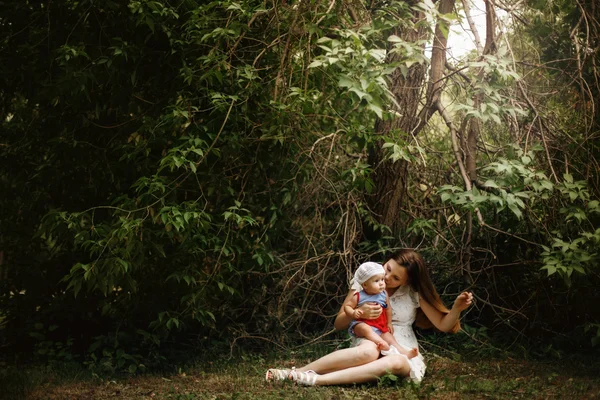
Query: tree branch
[[472, 26]]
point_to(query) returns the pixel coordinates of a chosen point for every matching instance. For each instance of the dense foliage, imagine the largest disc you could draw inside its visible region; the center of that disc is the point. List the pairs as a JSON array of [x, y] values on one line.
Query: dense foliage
[[187, 171]]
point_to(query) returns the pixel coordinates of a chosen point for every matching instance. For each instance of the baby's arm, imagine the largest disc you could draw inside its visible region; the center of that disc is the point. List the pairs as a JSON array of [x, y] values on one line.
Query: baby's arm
[[350, 308], [368, 310]]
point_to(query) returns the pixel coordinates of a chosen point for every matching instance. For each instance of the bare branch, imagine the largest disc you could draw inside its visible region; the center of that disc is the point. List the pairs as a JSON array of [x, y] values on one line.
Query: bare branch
[[472, 26]]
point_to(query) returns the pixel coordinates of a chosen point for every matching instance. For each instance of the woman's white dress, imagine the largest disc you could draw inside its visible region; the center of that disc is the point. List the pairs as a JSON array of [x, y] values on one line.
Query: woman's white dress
[[404, 303]]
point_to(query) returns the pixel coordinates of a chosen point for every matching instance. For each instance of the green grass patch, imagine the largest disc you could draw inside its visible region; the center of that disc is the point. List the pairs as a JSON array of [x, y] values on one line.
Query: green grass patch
[[242, 377]]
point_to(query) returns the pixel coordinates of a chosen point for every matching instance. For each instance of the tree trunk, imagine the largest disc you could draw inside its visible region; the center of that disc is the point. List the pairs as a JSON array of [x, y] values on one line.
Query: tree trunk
[[391, 178]]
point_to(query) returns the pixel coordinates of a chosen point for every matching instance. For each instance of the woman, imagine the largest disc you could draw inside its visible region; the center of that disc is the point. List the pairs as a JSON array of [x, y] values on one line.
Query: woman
[[413, 298]]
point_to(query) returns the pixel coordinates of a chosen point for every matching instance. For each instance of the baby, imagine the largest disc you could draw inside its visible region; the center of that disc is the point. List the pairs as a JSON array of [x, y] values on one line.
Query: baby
[[371, 277]]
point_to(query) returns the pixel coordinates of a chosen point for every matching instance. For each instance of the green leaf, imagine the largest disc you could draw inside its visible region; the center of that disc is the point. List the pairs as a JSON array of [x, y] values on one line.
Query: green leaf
[[496, 118], [568, 178], [150, 24], [359, 92], [345, 81], [315, 64], [579, 269], [515, 209], [491, 184], [550, 268], [446, 196], [124, 264], [572, 196], [547, 185], [376, 109]]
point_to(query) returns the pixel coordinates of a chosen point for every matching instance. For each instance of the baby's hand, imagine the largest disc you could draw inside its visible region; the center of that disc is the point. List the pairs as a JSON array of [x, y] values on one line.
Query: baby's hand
[[391, 328], [357, 314]]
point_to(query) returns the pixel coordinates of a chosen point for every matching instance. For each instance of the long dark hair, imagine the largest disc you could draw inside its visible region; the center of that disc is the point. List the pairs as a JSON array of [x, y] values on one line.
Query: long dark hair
[[420, 282]]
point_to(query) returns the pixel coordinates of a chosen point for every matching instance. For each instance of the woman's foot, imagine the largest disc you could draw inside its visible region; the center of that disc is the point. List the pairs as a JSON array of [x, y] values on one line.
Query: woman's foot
[[275, 375], [308, 378]]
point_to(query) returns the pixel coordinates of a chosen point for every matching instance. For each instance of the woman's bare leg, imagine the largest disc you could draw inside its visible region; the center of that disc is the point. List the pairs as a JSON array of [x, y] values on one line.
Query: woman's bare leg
[[364, 353], [397, 365]]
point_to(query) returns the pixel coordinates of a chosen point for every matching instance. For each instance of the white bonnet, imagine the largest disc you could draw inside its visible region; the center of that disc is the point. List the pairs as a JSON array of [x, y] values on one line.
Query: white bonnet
[[366, 271]]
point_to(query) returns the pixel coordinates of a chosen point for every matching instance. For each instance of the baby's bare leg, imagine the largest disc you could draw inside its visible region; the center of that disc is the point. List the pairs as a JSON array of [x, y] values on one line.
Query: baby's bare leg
[[365, 331], [391, 340]]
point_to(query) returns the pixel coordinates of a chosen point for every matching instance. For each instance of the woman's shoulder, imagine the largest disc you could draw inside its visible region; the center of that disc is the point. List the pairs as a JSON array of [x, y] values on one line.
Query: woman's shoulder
[[408, 293], [402, 291], [416, 298]]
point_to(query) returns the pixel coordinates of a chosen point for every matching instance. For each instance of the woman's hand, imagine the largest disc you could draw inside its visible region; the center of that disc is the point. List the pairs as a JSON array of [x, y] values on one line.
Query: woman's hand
[[370, 310], [463, 301]]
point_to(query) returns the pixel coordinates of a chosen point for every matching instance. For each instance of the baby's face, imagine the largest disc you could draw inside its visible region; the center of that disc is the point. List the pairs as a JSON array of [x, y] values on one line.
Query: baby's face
[[375, 284]]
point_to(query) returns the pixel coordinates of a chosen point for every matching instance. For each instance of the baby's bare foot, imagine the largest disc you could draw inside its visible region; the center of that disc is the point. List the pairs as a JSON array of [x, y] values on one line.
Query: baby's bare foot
[[412, 352]]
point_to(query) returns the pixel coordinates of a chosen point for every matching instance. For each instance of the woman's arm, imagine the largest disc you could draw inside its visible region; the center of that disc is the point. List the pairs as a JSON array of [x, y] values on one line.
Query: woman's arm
[[388, 313], [350, 307], [342, 320], [445, 322], [369, 311]]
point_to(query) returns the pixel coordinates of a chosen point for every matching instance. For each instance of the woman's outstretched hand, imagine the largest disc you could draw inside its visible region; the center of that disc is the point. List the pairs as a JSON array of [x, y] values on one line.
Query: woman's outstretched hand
[[463, 301], [370, 310]]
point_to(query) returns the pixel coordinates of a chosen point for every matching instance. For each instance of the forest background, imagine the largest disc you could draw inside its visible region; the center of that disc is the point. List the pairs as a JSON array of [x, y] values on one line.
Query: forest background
[[185, 174]]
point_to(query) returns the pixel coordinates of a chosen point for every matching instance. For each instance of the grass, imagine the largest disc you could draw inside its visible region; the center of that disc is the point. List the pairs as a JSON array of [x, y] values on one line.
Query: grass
[[243, 379]]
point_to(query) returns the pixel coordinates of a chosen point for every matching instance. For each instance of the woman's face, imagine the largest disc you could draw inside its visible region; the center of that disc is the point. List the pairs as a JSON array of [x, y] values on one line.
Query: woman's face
[[395, 274]]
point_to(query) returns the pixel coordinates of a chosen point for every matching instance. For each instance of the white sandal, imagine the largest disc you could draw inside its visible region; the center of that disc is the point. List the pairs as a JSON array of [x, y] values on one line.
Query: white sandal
[[275, 375], [308, 378]]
